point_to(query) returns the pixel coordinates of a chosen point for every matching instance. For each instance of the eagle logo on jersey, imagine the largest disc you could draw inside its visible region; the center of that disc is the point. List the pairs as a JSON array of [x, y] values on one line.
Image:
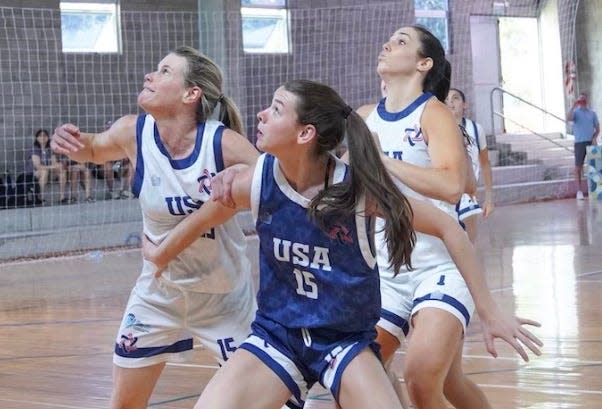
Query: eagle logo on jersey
[[340, 233], [205, 181], [413, 135]]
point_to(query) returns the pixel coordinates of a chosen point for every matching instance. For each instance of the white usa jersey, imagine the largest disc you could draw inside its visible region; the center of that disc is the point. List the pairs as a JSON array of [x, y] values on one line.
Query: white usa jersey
[[478, 143], [171, 189], [401, 137]]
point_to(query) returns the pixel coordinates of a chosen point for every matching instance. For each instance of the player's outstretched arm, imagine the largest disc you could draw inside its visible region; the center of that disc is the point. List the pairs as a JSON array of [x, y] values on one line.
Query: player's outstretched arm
[[495, 322], [117, 142]]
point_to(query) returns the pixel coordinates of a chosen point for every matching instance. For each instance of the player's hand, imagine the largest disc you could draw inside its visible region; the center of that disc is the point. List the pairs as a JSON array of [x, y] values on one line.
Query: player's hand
[[488, 207], [65, 139], [221, 185], [149, 252], [511, 329]]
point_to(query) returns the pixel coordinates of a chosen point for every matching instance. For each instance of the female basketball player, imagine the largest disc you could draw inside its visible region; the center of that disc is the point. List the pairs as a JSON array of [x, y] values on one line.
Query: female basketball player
[[468, 209], [175, 148], [424, 149], [319, 292]]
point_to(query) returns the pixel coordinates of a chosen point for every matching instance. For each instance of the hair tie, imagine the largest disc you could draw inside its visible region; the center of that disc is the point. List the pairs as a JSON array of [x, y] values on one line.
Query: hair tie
[[220, 99], [346, 111]]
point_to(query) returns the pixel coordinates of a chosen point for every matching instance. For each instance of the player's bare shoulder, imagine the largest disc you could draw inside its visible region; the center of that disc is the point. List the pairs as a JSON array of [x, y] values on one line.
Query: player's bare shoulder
[[365, 110], [123, 133]]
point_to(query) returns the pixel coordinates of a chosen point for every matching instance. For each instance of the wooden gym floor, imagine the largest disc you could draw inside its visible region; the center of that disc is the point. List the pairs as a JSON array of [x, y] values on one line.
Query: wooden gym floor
[[59, 317]]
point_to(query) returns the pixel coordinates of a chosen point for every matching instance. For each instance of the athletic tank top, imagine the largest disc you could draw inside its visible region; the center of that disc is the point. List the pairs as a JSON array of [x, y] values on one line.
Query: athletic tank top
[[171, 189], [400, 135], [309, 278], [477, 143]]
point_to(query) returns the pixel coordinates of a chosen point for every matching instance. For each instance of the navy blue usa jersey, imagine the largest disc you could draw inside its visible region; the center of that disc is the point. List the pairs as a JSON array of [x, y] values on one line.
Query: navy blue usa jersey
[[310, 278]]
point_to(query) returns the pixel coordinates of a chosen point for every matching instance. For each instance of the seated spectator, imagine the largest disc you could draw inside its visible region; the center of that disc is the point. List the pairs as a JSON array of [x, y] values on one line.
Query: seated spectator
[[78, 173], [119, 169], [41, 166]]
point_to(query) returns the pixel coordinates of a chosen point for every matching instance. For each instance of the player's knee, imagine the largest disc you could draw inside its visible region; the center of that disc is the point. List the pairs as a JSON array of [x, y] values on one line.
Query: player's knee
[[423, 380]]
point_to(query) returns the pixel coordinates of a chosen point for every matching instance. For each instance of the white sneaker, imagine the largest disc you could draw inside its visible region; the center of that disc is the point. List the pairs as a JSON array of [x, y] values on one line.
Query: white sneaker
[[580, 195]]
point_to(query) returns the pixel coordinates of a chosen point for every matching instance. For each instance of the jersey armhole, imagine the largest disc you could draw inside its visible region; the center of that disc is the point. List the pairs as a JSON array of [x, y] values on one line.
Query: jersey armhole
[[256, 188], [363, 233]]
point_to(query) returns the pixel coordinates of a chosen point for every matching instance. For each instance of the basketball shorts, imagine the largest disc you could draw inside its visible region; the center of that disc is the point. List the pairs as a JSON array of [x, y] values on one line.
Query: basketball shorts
[[302, 357], [161, 320], [467, 206], [441, 287]]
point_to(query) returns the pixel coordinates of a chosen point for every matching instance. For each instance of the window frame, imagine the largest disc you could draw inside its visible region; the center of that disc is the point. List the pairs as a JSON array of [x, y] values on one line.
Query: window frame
[[442, 14], [111, 7], [268, 11]]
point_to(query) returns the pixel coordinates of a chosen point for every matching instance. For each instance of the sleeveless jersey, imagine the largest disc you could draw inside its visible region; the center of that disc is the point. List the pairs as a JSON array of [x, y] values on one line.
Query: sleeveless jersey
[[309, 278], [171, 189], [400, 135], [478, 142]]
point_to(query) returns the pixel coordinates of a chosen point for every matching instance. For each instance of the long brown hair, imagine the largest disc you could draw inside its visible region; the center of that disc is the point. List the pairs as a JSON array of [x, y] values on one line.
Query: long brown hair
[[321, 106], [438, 79]]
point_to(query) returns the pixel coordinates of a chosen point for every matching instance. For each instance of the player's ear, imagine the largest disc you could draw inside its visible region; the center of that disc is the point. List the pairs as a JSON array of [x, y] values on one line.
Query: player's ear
[[307, 134], [192, 94]]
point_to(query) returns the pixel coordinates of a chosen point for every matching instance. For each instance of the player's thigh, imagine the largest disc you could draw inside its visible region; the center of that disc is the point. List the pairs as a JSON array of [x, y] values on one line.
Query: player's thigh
[[396, 306], [132, 387], [244, 382], [365, 382], [471, 225], [434, 358]]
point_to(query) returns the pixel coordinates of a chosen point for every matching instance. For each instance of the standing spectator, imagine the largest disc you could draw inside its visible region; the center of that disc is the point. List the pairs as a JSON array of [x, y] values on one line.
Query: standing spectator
[[586, 128], [41, 166], [468, 208]]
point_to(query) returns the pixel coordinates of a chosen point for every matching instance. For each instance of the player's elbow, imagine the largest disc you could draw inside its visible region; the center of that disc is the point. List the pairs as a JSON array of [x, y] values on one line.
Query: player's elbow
[[454, 197], [453, 193]]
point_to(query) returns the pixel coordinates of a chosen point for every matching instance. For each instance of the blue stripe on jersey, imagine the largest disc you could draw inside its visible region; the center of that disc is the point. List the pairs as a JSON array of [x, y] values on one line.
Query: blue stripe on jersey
[[308, 278], [396, 116], [396, 320], [139, 173], [180, 346], [217, 149], [476, 134], [447, 299], [191, 159], [475, 131]]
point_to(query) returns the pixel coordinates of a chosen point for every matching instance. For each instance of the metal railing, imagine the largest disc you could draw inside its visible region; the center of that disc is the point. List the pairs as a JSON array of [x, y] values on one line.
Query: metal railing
[[501, 115]]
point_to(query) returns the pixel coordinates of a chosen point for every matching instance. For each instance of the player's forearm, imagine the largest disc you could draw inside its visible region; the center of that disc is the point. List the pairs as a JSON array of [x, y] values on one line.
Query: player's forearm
[[85, 154], [488, 181], [210, 214], [439, 184], [465, 257]]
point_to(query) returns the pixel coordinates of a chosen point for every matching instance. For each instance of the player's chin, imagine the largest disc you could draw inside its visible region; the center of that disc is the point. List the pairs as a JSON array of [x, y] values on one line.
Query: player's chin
[[260, 142]]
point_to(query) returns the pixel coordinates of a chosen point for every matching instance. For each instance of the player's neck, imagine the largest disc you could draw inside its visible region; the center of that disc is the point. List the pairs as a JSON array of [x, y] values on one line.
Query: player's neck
[[306, 177], [178, 137], [400, 97]]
